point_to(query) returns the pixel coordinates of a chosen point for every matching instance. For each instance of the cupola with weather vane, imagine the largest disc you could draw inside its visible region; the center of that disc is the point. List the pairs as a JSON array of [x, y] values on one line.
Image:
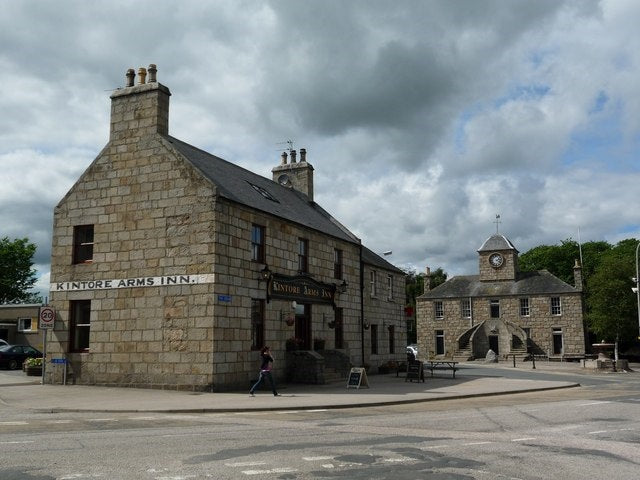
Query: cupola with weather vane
[[498, 258]]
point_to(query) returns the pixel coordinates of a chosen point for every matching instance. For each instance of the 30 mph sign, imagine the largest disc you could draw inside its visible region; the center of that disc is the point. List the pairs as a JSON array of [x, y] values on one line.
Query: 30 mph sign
[[47, 317]]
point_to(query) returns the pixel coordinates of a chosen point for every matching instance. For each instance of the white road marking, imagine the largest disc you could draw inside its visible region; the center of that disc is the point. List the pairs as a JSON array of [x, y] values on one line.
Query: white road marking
[[592, 403], [476, 443], [318, 410], [434, 446], [59, 421], [287, 412], [244, 464], [315, 459], [14, 423], [522, 439], [273, 470], [597, 431], [102, 420], [143, 418], [17, 443]]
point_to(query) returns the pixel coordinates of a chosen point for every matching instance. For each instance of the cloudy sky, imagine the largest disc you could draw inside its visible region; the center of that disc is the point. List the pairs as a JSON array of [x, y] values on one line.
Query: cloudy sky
[[423, 119]]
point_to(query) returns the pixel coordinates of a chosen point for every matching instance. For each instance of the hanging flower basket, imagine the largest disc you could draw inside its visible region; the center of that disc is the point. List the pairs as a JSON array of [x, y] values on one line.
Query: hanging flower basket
[[290, 321]]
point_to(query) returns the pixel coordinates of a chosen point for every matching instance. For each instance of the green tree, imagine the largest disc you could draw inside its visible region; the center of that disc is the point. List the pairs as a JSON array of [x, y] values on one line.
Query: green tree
[[560, 259], [17, 275], [611, 305]]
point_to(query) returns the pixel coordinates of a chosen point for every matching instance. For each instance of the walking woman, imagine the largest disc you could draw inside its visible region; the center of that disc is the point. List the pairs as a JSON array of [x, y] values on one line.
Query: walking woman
[[265, 371]]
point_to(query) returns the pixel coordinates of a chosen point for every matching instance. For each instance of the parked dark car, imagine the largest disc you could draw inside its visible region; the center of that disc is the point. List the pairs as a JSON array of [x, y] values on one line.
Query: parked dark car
[[12, 356]]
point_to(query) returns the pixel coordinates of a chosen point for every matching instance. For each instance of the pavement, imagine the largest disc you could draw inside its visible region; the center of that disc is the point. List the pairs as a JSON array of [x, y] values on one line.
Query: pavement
[[27, 393]]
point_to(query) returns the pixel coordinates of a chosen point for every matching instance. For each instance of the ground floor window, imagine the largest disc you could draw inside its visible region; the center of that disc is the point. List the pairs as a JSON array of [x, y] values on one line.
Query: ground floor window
[[392, 339], [79, 325], [439, 342], [374, 339], [257, 324]]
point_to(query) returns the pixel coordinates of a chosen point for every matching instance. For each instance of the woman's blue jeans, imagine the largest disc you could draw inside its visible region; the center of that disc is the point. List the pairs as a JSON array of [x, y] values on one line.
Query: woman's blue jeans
[[264, 374]]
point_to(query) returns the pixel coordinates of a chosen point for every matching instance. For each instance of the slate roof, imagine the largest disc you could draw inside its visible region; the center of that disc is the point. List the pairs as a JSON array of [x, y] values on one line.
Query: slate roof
[[497, 242], [247, 188], [527, 284], [371, 258]]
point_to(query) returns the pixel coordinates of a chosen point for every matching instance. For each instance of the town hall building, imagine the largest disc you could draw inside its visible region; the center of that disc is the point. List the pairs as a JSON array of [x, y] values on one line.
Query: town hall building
[[501, 309], [172, 267]]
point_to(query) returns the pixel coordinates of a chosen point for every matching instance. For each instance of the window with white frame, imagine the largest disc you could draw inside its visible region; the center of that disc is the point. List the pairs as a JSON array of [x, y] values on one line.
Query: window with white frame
[[465, 308], [26, 325], [389, 287], [525, 311], [372, 282], [438, 308], [556, 306]]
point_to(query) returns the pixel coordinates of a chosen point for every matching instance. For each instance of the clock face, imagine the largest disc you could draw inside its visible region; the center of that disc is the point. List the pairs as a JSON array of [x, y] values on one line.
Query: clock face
[[496, 260]]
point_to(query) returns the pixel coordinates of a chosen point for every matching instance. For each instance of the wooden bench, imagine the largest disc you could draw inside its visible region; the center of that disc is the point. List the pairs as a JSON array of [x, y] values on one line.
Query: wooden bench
[[434, 365]]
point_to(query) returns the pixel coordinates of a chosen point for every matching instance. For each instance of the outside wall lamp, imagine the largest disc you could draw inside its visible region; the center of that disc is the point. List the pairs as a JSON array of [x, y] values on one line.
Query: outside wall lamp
[[265, 273], [342, 288]]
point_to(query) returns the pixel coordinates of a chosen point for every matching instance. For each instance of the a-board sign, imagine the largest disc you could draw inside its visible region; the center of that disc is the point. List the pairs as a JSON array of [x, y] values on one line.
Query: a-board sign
[[357, 378], [414, 371]]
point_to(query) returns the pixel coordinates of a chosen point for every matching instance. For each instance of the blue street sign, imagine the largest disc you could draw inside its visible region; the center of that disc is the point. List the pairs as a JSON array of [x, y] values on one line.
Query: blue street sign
[[224, 298], [58, 360]]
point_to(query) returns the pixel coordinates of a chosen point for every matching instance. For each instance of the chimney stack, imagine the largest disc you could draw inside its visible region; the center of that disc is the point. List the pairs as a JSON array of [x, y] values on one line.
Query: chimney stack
[[300, 173], [427, 280], [141, 109]]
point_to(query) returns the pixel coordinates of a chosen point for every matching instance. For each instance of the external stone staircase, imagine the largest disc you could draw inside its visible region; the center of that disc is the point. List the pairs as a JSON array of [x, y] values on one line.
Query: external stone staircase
[[331, 375]]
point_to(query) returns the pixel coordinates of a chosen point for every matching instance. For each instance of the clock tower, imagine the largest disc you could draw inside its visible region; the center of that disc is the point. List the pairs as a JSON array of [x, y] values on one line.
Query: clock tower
[[498, 259]]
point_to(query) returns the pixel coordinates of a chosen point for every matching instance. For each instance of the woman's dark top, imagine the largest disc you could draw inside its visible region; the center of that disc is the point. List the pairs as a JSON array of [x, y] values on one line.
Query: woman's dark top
[[267, 360]]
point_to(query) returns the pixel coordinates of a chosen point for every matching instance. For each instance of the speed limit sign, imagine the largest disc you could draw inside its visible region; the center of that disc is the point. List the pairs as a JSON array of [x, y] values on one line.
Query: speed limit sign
[[47, 317]]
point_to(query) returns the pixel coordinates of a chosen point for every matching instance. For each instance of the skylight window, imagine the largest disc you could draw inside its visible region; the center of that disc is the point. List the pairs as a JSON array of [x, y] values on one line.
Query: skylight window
[[263, 192]]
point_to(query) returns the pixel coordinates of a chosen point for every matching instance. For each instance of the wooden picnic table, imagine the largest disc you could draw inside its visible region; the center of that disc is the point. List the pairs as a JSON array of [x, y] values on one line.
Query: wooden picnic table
[[441, 365]]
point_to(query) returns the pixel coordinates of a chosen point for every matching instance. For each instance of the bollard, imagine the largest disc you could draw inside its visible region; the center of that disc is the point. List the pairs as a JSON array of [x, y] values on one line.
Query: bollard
[[533, 357], [514, 360]]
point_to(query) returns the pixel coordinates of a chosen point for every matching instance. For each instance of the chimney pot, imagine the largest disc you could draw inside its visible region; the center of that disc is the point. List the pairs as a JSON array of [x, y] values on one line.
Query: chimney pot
[[131, 74], [293, 156], [283, 158], [142, 75], [303, 154], [152, 73]]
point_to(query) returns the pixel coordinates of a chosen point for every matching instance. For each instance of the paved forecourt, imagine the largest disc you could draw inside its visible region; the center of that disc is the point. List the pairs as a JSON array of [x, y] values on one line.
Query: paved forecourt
[[22, 392]]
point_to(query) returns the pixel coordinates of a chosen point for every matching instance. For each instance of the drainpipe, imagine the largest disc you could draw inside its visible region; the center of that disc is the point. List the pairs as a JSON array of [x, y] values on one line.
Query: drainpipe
[[361, 306]]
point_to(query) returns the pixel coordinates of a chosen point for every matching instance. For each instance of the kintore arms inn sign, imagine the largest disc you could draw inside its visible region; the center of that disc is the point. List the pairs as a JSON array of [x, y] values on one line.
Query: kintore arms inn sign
[[165, 281]]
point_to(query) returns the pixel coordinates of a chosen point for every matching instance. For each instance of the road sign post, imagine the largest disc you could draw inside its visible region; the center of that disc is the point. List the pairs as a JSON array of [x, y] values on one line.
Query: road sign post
[[47, 321]]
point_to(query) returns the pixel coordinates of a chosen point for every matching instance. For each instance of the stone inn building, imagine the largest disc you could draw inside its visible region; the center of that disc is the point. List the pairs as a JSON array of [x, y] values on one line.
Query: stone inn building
[[502, 309], [172, 267]]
